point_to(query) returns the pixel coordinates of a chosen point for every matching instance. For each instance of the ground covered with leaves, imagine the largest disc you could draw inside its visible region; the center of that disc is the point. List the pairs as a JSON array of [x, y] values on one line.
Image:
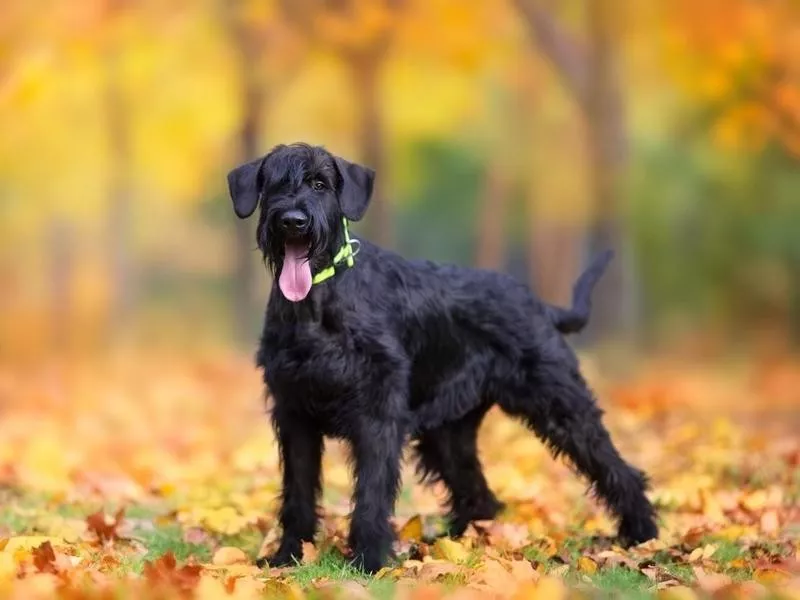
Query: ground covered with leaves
[[141, 476]]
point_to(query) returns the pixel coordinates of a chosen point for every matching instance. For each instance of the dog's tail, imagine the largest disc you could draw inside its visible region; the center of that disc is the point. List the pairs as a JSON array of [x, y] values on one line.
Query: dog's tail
[[572, 320]]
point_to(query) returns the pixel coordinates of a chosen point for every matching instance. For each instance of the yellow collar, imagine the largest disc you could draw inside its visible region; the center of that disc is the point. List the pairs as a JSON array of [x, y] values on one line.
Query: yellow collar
[[345, 254]]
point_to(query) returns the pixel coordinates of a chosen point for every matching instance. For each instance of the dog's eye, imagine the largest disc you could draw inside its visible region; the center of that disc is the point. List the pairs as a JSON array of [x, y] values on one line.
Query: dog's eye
[[318, 185]]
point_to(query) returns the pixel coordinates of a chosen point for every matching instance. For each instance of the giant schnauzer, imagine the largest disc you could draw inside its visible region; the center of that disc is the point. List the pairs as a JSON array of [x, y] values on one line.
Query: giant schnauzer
[[363, 345]]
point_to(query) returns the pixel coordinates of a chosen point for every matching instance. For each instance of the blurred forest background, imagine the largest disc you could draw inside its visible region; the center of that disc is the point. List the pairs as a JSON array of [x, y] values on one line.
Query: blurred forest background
[[522, 135]]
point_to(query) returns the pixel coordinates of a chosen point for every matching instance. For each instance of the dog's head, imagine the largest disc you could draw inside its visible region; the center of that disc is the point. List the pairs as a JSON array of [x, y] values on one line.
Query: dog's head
[[305, 192]]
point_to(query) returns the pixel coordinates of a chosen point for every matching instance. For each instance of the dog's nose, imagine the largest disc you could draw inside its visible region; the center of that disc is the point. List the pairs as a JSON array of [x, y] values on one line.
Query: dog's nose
[[294, 221]]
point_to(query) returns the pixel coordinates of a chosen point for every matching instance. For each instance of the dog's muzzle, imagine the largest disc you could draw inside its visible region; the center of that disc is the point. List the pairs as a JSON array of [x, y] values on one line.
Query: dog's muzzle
[[294, 223]]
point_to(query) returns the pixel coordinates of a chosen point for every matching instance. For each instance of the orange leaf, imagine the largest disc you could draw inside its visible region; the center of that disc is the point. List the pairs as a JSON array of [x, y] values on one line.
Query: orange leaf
[[412, 530], [44, 558], [309, 553], [103, 526], [228, 555], [771, 577]]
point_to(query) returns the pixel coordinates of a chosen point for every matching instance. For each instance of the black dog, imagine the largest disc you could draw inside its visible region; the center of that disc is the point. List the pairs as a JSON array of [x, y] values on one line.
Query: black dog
[[364, 345]]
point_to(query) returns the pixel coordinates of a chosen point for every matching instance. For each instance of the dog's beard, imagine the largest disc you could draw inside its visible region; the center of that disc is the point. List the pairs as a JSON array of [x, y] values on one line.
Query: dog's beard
[[292, 260]]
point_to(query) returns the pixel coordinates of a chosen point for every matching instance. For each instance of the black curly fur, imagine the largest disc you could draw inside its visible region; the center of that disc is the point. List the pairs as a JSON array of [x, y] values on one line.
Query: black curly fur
[[392, 349]]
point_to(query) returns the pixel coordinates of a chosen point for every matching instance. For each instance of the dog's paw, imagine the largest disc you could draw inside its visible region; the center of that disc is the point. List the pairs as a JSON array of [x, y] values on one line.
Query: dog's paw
[[284, 557], [635, 530], [368, 561]]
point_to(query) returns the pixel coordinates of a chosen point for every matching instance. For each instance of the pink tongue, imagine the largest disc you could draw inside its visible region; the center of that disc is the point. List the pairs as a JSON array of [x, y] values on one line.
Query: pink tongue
[[295, 278]]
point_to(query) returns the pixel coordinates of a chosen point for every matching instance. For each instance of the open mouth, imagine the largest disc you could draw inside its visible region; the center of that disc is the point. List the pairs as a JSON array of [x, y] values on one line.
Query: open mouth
[[295, 279]]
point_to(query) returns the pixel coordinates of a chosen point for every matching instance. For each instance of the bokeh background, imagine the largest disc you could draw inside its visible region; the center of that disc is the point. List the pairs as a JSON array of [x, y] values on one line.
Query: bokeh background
[[514, 134], [521, 135]]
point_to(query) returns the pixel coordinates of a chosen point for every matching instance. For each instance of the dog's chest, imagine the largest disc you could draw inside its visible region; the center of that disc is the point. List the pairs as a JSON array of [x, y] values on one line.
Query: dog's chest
[[309, 370]]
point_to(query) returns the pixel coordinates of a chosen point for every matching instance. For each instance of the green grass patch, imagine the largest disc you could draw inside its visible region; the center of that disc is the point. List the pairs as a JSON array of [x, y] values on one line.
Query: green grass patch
[[621, 582], [162, 540]]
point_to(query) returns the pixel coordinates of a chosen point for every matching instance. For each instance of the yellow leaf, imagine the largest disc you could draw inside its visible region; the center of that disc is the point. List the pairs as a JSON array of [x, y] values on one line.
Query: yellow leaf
[[550, 588], [770, 577], [412, 530], [678, 592], [587, 565], [8, 567], [228, 555], [695, 555], [755, 501], [447, 549], [709, 550], [277, 588], [26, 543]]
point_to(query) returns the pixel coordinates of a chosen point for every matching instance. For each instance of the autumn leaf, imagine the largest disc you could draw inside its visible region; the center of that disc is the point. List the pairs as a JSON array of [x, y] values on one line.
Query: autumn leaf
[[310, 553], [678, 592], [587, 565], [165, 571], [227, 555], [412, 530], [44, 558], [771, 577], [447, 549], [104, 527]]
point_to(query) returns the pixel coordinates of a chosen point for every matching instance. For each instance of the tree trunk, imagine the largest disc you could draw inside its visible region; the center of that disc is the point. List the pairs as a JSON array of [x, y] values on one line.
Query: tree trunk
[[61, 243], [491, 247], [366, 79], [589, 73], [120, 200], [244, 231], [607, 139]]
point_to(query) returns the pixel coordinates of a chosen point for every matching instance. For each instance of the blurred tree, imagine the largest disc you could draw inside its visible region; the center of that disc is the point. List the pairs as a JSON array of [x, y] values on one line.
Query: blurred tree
[[120, 194], [740, 60], [265, 56], [589, 71], [361, 33]]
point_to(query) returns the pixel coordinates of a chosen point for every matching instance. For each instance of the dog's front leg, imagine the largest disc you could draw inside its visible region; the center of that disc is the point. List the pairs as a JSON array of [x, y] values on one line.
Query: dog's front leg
[[301, 458], [377, 450]]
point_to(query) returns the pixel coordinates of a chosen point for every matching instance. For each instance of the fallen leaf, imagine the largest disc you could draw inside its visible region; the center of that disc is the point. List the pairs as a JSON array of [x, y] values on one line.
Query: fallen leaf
[[165, 570], [228, 555], [771, 577], [44, 558], [434, 570], [678, 592], [492, 574], [754, 501], [587, 565], [103, 526], [278, 588], [550, 588], [710, 582], [523, 571], [412, 530], [8, 567], [447, 549], [309, 553], [769, 523], [26, 543]]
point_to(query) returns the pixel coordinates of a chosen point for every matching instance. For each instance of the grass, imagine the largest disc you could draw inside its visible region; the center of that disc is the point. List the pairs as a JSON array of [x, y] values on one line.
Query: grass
[[23, 515], [620, 582]]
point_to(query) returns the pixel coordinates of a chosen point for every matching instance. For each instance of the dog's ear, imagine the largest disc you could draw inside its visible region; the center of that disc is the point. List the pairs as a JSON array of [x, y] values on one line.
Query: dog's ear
[[356, 188], [245, 183]]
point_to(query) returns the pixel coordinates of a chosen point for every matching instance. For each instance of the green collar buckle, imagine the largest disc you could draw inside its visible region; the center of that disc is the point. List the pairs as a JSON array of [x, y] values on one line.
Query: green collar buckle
[[346, 254]]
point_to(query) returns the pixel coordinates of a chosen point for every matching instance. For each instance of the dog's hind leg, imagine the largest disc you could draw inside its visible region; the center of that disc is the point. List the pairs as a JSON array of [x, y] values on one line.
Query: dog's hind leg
[[551, 397], [449, 453]]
